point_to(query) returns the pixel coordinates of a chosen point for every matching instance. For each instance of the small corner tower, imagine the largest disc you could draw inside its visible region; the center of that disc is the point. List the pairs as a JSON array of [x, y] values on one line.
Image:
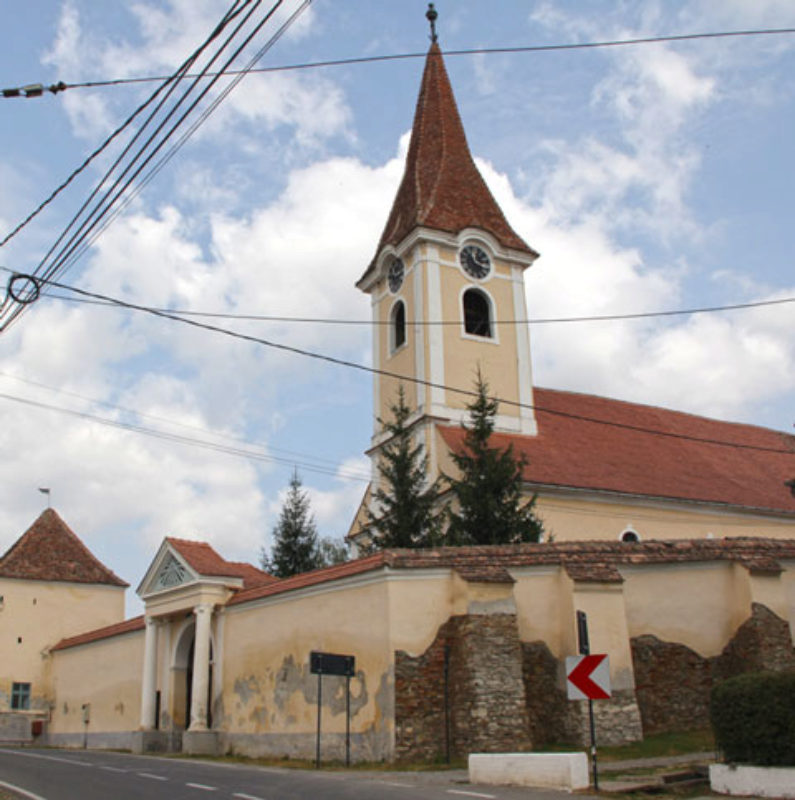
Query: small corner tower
[[446, 282]]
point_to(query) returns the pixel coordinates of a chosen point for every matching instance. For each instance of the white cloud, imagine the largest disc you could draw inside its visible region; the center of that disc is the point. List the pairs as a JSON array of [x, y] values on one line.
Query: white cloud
[[159, 39]]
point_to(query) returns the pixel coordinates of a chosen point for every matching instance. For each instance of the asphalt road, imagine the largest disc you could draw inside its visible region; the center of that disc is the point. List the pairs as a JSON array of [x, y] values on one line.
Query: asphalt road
[[93, 775]]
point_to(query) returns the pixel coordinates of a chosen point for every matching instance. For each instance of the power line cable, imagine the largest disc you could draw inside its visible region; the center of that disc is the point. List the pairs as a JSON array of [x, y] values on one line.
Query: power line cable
[[84, 245], [38, 90], [88, 231], [248, 453], [167, 80], [292, 454], [431, 323], [419, 381]]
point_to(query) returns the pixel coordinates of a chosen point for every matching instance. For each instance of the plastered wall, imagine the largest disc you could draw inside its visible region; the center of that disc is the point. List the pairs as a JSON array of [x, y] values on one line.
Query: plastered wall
[[34, 616], [105, 674]]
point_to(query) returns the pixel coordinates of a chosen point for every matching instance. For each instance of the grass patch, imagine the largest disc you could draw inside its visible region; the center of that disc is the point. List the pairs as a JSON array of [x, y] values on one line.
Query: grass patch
[[308, 764], [662, 744]]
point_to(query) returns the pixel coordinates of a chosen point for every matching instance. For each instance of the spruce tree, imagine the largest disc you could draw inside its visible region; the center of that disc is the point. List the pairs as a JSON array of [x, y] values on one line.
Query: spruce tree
[[295, 541], [489, 507], [407, 507]]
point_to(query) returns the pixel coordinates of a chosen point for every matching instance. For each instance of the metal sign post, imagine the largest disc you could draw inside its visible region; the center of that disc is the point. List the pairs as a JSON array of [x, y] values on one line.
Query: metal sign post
[[321, 664], [588, 678]]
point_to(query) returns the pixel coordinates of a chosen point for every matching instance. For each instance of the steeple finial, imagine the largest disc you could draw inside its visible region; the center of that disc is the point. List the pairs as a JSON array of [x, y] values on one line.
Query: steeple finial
[[431, 15]]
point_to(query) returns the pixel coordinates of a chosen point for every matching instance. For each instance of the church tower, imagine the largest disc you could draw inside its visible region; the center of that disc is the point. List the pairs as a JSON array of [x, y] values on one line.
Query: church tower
[[446, 283]]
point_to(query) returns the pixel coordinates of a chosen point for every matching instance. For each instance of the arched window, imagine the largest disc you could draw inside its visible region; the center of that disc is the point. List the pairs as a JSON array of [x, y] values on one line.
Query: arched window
[[629, 535], [477, 313], [398, 325]]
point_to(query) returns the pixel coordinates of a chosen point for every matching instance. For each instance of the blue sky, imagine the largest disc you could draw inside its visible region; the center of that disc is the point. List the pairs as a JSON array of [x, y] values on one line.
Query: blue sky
[[649, 178]]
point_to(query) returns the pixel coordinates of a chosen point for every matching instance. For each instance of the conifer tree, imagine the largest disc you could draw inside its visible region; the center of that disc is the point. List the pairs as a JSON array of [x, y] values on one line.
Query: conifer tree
[[488, 491], [295, 541], [407, 507]]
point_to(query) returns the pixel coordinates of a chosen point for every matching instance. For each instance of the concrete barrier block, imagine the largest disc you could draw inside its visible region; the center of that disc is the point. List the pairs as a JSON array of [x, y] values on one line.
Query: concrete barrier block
[[746, 781], [567, 771]]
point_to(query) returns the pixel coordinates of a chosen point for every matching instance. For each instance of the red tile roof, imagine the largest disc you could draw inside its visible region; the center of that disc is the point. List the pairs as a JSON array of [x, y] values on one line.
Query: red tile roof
[[117, 629], [206, 561], [586, 561], [441, 186], [680, 462], [50, 551]]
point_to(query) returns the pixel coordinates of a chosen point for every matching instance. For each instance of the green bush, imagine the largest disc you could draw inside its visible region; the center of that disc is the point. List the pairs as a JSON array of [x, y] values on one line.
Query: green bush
[[753, 718]]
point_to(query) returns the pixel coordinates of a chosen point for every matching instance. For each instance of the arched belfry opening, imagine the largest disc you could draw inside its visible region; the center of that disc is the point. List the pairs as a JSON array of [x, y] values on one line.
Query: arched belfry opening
[[477, 313]]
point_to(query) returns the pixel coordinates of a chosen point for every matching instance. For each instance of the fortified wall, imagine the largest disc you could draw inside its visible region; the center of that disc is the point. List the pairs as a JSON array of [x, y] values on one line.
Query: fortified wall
[[457, 650]]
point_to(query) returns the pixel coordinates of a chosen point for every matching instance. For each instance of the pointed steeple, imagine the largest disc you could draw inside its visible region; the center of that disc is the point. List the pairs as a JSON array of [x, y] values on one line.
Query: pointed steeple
[[441, 186]]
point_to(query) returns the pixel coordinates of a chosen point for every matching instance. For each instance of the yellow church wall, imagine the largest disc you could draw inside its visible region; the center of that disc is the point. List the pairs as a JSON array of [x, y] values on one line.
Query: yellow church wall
[[567, 517], [401, 360], [105, 674], [34, 616], [608, 629], [543, 601], [698, 605], [788, 590], [497, 356], [768, 589], [419, 605], [267, 685]]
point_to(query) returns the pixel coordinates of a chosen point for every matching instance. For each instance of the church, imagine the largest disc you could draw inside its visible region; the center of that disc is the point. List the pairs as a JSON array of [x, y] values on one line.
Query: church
[[674, 534]]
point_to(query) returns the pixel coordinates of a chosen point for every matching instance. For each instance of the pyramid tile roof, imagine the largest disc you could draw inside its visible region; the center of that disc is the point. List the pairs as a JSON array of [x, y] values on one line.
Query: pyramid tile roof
[[206, 561], [441, 186], [50, 551], [682, 461]]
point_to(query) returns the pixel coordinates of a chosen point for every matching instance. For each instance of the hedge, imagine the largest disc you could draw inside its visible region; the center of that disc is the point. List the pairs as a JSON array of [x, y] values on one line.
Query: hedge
[[753, 718]]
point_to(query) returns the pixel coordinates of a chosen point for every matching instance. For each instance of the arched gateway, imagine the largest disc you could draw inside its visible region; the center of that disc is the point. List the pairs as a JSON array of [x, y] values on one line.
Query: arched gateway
[[185, 591]]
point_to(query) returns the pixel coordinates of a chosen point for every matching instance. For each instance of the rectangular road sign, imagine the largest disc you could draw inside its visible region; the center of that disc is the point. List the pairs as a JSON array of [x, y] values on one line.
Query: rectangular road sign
[[331, 664], [588, 677]]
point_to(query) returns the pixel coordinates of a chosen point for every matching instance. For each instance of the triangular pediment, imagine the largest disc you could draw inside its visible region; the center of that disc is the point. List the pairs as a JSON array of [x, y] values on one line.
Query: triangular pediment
[[169, 570]]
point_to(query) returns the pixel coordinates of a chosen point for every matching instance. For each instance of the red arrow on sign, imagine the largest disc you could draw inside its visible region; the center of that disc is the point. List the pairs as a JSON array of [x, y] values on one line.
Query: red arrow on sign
[[586, 679]]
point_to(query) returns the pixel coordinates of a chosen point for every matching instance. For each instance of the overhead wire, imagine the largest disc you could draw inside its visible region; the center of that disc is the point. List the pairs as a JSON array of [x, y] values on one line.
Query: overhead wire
[[169, 154], [100, 216], [337, 62], [281, 346], [166, 81], [286, 453], [680, 312], [248, 452]]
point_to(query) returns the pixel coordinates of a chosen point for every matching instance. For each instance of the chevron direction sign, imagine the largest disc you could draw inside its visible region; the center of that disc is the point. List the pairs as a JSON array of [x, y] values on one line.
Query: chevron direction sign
[[588, 677]]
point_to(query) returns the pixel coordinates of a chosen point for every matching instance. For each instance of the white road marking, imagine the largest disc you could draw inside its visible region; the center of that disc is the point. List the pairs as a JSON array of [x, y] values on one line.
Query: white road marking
[[52, 758], [401, 785], [471, 794], [114, 769], [202, 786], [244, 796], [153, 776], [23, 792]]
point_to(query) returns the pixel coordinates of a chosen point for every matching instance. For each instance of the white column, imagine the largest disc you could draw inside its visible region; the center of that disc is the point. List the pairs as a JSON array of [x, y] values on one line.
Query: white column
[[201, 668], [148, 681]]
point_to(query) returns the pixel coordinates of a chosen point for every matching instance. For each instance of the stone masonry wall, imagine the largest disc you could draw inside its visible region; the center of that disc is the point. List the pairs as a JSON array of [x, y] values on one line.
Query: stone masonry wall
[[673, 682], [554, 719], [486, 710]]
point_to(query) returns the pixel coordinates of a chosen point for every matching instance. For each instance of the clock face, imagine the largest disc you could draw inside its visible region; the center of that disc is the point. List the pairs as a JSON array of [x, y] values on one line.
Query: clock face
[[475, 261], [395, 275]]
